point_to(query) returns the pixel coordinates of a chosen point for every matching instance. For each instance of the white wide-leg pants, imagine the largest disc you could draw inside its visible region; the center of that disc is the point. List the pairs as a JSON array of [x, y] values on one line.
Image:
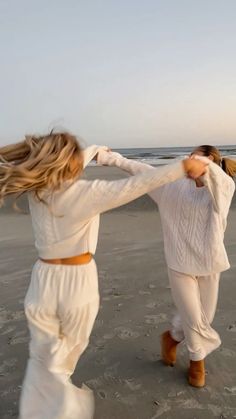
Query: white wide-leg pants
[[61, 306], [195, 298]]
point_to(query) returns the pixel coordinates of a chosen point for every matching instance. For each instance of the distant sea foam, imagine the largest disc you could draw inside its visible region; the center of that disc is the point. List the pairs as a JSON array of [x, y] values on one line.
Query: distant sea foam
[[158, 156]]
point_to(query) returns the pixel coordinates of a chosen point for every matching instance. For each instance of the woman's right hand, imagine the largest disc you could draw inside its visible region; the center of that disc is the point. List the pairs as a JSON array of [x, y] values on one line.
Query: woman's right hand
[[194, 168], [107, 157]]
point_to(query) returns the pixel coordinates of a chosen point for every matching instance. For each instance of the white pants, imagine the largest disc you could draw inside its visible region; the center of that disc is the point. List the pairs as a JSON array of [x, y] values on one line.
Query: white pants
[[61, 306], [195, 298]]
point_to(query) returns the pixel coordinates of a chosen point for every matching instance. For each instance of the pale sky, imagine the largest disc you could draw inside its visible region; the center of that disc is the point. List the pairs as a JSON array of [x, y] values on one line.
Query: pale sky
[[126, 73]]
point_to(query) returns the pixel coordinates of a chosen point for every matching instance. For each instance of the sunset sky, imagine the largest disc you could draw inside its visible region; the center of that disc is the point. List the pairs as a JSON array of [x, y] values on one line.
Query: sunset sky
[[127, 73]]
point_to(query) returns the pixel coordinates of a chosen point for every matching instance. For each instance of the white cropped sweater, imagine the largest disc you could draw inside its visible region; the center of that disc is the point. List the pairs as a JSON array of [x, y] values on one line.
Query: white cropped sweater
[[68, 225], [193, 219]]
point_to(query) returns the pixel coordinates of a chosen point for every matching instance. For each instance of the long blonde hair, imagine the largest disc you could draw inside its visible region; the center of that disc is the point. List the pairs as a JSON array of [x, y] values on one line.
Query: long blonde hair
[[39, 162], [228, 165]]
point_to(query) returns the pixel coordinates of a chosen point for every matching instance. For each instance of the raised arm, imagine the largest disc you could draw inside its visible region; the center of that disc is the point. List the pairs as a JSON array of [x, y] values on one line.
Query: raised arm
[[221, 187], [90, 152], [132, 167], [111, 158], [100, 195]]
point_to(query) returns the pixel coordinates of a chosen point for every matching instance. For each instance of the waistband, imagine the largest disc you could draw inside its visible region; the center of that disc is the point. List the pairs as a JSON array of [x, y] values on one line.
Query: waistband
[[74, 260]]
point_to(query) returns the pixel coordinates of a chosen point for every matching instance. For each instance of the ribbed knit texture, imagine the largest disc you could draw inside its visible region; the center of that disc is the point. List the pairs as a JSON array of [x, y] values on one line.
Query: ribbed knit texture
[[69, 224], [193, 219]]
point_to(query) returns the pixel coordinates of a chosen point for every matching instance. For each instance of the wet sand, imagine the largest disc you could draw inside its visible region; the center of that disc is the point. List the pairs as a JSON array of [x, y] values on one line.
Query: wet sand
[[122, 363]]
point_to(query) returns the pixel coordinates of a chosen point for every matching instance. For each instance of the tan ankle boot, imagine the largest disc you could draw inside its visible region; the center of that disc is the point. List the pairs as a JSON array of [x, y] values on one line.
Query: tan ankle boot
[[196, 373], [168, 349]]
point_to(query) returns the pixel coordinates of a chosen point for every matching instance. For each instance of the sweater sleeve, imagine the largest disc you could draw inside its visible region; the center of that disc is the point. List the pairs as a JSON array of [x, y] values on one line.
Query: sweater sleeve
[[132, 167], [90, 152], [221, 187], [101, 195]]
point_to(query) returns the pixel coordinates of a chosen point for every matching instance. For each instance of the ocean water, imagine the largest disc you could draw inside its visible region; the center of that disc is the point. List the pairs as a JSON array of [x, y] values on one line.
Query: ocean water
[[158, 156]]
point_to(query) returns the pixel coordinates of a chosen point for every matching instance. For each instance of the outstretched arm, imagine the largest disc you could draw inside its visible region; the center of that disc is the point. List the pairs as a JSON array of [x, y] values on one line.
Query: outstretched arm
[[132, 167], [90, 152], [100, 195], [111, 158]]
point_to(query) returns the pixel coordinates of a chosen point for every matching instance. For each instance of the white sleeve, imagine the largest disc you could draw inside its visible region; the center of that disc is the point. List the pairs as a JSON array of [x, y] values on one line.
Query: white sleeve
[[111, 158], [90, 152], [101, 195], [221, 187], [132, 167]]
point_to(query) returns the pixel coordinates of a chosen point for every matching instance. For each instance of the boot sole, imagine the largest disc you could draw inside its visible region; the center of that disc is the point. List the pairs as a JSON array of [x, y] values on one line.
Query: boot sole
[[196, 383], [168, 363]]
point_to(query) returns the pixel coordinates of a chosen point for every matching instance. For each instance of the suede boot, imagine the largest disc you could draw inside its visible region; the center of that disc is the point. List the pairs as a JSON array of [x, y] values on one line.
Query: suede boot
[[168, 349], [196, 373]]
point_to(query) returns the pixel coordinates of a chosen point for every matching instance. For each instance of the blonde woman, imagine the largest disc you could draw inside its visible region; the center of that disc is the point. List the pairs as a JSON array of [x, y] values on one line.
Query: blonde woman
[[193, 215], [63, 299]]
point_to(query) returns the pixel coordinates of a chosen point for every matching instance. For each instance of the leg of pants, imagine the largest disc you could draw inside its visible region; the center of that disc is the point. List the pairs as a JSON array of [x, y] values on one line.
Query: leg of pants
[[195, 299], [61, 306]]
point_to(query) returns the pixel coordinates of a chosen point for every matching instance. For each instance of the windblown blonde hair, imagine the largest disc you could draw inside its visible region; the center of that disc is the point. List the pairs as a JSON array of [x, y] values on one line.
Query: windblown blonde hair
[[39, 162], [228, 165]]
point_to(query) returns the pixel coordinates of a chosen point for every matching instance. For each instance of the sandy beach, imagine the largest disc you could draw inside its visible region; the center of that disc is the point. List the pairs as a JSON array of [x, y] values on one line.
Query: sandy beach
[[122, 363]]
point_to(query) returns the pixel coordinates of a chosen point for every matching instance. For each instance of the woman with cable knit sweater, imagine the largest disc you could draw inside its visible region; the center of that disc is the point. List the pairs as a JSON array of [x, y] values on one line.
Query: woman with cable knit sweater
[[193, 215], [62, 301]]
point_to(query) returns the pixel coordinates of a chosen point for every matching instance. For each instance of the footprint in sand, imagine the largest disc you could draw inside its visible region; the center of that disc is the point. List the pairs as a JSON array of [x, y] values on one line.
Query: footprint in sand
[[126, 333], [8, 366], [10, 391], [231, 390], [9, 329], [7, 316], [102, 394], [15, 340], [144, 292], [117, 295], [95, 382], [130, 400], [133, 385], [107, 380], [232, 327], [152, 305], [228, 352], [156, 318]]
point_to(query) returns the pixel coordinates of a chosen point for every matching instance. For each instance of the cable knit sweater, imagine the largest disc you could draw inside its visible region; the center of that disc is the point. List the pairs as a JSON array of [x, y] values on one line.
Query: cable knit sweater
[[193, 218], [68, 225]]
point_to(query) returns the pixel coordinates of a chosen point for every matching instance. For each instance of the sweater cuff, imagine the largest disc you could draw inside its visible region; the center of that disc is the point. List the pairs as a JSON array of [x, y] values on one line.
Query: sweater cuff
[[90, 152], [108, 158]]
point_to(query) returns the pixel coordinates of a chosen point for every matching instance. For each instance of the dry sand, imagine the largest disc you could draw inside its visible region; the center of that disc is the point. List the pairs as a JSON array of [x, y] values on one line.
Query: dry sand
[[122, 363]]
